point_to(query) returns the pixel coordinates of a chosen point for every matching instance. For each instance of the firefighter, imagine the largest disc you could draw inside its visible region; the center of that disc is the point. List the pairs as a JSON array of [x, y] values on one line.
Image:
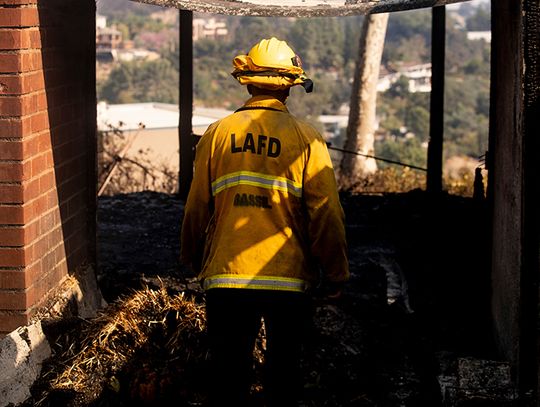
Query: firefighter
[[262, 227]]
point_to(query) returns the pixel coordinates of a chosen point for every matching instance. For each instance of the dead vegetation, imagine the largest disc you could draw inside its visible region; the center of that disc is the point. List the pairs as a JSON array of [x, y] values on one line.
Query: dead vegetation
[[121, 170], [401, 180], [98, 357]]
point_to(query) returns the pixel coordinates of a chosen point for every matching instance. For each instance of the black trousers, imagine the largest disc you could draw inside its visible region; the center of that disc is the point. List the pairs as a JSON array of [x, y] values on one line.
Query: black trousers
[[233, 321]]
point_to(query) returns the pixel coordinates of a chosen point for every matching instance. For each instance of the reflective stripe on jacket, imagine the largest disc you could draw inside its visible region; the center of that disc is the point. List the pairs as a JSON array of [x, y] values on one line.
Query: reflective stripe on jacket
[[263, 210]]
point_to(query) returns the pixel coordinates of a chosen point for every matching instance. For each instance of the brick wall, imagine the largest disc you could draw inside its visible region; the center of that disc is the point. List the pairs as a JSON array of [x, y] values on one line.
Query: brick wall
[[47, 150]]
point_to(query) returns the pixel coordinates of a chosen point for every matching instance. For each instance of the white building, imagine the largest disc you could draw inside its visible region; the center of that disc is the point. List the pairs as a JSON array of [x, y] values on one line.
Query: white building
[[419, 76], [166, 16], [108, 38], [128, 55], [208, 28], [101, 21], [154, 127], [160, 121], [479, 35]]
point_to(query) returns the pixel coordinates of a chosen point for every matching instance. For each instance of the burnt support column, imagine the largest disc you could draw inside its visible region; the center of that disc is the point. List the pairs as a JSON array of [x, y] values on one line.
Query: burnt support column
[[513, 178], [186, 102], [530, 328], [436, 121]]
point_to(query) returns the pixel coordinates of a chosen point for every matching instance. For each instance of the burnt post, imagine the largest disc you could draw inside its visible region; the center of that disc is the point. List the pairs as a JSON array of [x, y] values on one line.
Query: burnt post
[[513, 189], [186, 102], [436, 119], [529, 372]]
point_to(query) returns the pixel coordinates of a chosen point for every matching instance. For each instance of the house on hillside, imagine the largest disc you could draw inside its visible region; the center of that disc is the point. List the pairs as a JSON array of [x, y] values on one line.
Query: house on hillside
[[418, 75], [101, 22], [111, 46], [479, 35], [209, 28], [166, 16], [108, 41]]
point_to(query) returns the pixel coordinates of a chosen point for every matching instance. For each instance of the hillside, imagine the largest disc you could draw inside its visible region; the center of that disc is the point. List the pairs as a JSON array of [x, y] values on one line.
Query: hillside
[[328, 48], [111, 8]]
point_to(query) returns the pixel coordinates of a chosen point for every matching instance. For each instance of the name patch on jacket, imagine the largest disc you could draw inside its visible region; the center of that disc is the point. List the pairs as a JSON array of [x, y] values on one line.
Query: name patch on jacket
[[258, 201], [264, 145]]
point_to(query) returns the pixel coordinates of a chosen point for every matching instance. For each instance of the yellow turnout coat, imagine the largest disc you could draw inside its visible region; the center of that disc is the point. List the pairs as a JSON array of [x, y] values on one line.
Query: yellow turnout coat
[[263, 211]]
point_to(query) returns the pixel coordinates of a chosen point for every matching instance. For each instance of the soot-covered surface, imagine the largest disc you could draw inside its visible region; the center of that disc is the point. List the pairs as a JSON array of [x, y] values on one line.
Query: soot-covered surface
[[416, 306], [418, 291]]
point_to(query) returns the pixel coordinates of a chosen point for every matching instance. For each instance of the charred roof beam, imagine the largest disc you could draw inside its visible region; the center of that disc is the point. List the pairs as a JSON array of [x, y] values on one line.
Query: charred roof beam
[[298, 8]]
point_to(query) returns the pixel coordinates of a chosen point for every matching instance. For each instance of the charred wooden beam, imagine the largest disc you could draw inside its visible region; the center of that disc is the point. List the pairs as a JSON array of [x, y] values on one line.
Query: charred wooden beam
[[436, 121], [530, 281], [298, 8], [513, 189], [186, 102]]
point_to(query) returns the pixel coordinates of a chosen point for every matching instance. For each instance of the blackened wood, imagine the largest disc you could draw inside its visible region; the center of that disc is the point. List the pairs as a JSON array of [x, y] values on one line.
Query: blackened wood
[[436, 121], [186, 102], [530, 301]]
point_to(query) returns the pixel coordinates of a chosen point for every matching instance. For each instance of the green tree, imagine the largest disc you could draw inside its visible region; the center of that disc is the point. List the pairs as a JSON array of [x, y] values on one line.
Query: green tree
[[466, 115], [418, 122], [302, 39], [400, 88], [137, 24], [407, 151], [309, 37], [465, 56], [405, 31], [310, 106], [412, 49], [146, 81], [250, 30], [114, 8], [351, 27], [479, 20]]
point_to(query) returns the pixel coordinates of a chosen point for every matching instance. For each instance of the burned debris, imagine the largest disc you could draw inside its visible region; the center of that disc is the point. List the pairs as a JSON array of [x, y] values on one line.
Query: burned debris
[[386, 343]]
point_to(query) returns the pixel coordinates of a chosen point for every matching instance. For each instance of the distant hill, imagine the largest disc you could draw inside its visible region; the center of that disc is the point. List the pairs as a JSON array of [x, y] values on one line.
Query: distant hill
[[112, 8]]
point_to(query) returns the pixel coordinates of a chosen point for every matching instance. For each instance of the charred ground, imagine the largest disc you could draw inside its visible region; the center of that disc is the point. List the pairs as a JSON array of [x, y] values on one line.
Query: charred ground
[[417, 302]]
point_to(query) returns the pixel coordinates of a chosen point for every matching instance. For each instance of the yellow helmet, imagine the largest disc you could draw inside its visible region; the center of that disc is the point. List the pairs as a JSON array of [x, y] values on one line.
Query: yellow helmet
[[271, 64]]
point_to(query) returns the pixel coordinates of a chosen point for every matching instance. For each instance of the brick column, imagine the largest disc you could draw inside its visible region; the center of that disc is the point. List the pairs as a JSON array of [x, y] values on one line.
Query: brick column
[[47, 122]]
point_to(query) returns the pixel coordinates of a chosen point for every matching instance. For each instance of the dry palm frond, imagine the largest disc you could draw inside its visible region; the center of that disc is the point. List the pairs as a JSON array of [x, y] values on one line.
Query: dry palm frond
[[125, 327]]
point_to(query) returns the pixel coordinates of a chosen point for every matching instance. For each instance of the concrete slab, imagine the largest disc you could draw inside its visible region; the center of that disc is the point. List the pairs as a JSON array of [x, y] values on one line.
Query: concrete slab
[[22, 353], [298, 8]]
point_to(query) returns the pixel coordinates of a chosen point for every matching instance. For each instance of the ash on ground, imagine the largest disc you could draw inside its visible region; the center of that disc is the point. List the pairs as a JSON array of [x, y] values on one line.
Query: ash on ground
[[413, 318]]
